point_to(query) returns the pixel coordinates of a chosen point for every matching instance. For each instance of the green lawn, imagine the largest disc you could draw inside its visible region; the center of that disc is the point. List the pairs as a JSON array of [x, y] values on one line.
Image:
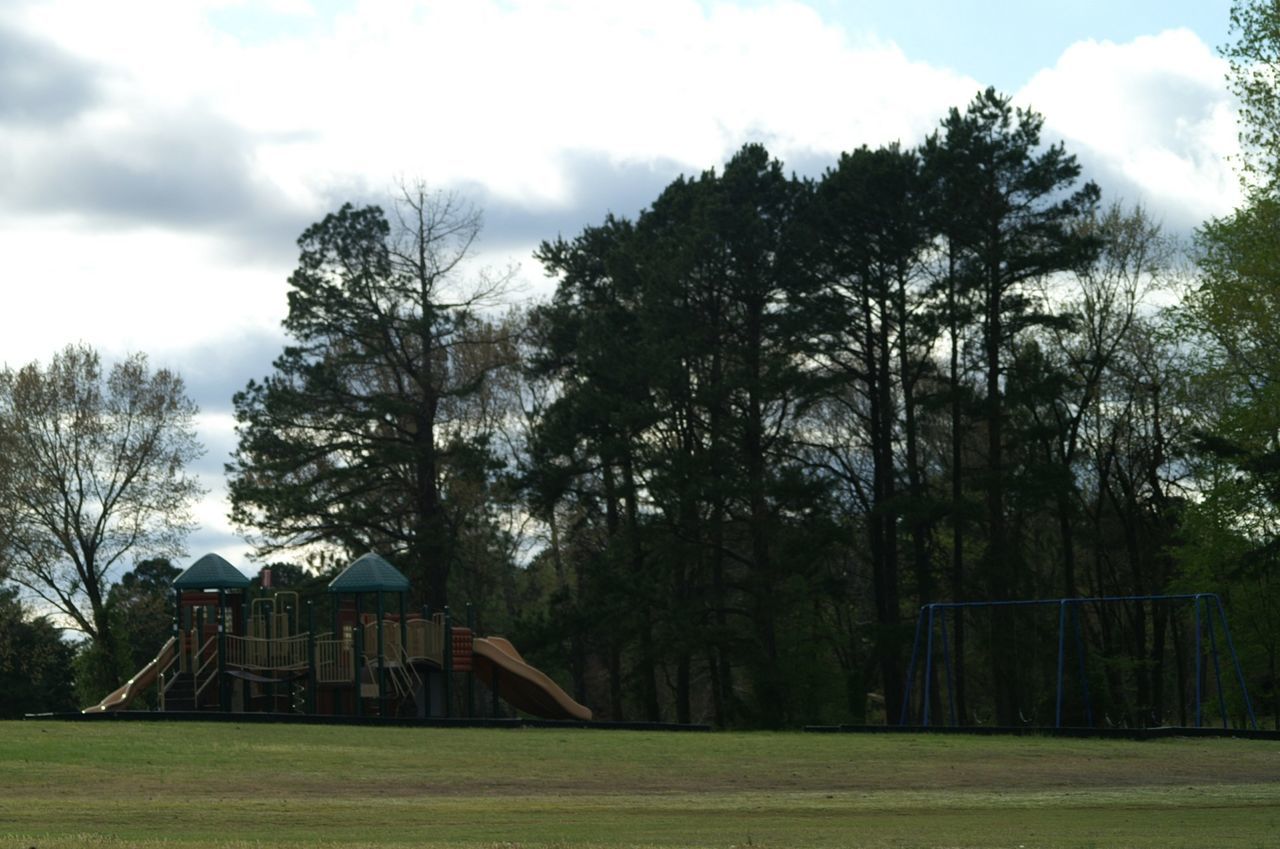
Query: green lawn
[[110, 785]]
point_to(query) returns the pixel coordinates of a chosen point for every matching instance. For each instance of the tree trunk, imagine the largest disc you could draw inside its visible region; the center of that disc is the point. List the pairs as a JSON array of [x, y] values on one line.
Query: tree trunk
[[771, 696], [1001, 577], [1160, 620], [915, 477], [648, 667], [577, 639], [884, 518], [683, 706], [104, 636], [614, 636], [722, 683], [615, 681], [1067, 533], [958, 588]]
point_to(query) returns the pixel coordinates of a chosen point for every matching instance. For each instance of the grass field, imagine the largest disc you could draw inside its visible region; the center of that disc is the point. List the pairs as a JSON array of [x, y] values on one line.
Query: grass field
[[112, 785]]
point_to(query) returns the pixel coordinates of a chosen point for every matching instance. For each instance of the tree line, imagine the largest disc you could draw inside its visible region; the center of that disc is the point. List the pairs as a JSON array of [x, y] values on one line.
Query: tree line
[[789, 412], [763, 421], [758, 425]]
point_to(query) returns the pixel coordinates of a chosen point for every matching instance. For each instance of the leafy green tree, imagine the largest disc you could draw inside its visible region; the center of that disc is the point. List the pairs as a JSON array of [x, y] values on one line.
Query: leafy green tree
[[287, 576], [1254, 77], [356, 439], [1105, 299], [35, 663], [1231, 316], [94, 472], [1233, 308], [1230, 545], [142, 605]]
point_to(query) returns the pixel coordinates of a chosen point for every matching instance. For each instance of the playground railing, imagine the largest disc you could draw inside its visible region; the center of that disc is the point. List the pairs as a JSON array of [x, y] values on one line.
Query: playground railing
[[402, 678], [334, 661], [390, 639], [165, 677], [408, 681], [261, 653], [190, 652], [426, 639], [209, 652]]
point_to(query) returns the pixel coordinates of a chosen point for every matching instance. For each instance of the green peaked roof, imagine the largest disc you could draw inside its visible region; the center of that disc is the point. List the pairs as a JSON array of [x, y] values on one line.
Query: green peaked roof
[[369, 573], [211, 572]]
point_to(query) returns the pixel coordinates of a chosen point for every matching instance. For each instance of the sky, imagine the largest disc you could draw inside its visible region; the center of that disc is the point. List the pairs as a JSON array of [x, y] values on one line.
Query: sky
[[159, 158]]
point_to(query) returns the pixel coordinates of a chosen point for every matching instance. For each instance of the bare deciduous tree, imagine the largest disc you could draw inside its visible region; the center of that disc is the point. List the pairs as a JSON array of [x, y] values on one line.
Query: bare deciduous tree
[[93, 473]]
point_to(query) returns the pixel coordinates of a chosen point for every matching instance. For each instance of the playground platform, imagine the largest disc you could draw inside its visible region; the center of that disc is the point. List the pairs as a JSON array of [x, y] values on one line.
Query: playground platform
[[232, 653]]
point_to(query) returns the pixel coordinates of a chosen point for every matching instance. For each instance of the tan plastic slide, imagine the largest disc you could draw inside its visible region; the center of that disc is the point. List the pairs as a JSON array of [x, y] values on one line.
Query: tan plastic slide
[[120, 699], [522, 686]]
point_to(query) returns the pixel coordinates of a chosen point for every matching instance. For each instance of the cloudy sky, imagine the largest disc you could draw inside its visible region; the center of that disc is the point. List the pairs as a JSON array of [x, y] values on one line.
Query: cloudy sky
[[158, 158]]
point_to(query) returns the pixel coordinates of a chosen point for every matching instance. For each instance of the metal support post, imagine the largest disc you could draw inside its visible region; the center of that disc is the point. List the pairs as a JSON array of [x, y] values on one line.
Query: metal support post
[[448, 663], [1217, 665], [928, 669], [471, 676], [1062, 652], [358, 660], [224, 690], [496, 706], [426, 679], [1235, 660], [1199, 660], [946, 656], [404, 633], [311, 657], [382, 661]]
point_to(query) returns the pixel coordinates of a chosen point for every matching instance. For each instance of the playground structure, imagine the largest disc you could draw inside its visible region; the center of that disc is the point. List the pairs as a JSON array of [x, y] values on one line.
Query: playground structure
[[230, 653], [942, 620]]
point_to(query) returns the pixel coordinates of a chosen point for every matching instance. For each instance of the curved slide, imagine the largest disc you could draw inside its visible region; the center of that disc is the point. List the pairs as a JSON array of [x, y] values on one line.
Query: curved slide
[[519, 684], [120, 699]]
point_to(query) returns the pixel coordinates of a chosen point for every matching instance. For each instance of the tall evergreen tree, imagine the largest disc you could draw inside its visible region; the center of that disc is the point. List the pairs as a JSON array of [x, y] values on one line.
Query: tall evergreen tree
[[591, 341], [870, 212], [355, 439], [1019, 201], [680, 356]]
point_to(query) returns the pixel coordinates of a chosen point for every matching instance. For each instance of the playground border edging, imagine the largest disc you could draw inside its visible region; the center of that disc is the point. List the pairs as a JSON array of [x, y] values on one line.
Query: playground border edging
[[390, 722]]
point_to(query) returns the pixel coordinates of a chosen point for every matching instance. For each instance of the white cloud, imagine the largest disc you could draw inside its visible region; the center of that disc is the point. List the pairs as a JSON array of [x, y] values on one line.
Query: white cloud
[[137, 219], [1153, 114], [493, 93], [126, 228], [216, 533], [126, 290]]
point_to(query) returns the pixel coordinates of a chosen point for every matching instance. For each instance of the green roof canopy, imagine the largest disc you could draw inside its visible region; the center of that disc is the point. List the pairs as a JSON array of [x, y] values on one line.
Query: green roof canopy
[[211, 572], [369, 573]]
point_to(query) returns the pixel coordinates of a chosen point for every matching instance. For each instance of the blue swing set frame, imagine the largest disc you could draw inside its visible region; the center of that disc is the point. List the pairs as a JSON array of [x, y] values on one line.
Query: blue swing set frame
[[934, 615]]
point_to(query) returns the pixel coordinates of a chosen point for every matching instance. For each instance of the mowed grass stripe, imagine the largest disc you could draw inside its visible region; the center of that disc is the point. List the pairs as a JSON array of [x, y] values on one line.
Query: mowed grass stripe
[[205, 785]]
